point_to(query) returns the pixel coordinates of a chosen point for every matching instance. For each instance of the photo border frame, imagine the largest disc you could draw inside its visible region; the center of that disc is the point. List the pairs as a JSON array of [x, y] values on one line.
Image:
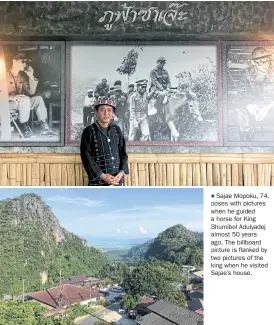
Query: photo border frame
[[61, 142], [228, 143], [217, 44]]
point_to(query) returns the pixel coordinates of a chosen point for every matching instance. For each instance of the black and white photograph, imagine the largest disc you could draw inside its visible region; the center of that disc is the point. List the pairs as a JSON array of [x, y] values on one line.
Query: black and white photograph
[[32, 93], [248, 93], [165, 94]]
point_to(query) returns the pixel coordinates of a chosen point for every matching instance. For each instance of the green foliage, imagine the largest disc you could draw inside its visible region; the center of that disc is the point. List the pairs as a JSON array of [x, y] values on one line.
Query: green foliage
[[77, 310], [153, 279], [138, 252], [128, 301], [17, 313], [75, 258], [178, 298], [33, 243], [176, 244], [203, 84], [116, 271], [29, 313], [129, 63]]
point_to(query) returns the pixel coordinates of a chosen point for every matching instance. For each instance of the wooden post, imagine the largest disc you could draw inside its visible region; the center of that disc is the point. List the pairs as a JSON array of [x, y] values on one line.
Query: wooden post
[[4, 101]]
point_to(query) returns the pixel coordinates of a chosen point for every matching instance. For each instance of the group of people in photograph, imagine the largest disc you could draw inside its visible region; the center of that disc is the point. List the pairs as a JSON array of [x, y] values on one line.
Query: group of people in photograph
[[137, 107]]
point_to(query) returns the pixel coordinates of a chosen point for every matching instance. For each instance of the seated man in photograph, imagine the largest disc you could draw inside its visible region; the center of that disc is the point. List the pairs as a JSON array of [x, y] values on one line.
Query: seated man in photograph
[[160, 81], [256, 94], [102, 88], [21, 89]]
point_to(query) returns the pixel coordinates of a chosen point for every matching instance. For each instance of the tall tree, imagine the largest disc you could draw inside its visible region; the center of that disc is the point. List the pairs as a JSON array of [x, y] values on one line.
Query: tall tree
[[129, 63]]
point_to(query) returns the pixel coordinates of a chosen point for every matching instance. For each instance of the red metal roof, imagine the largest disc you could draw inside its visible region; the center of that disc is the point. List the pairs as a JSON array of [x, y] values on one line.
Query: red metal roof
[[146, 300], [75, 279], [70, 295]]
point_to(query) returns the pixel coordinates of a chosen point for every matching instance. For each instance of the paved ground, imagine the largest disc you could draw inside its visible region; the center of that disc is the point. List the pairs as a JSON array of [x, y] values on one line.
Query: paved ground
[[123, 320]]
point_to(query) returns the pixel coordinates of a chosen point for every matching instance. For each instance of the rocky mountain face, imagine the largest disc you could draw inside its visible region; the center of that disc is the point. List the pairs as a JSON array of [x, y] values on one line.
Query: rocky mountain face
[[34, 247]]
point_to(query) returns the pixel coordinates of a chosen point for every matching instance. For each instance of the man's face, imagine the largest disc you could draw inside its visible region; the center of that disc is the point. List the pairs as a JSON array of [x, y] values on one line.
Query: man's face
[[20, 64], [142, 89], [161, 64], [45, 57], [130, 89], [104, 113], [118, 93], [104, 81], [90, 94], [262, 64]]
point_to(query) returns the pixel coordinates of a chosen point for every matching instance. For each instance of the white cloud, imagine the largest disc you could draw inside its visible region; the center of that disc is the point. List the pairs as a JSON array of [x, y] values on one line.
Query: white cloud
[[125, 232], [119, 230], [143, 230], [77, 200]]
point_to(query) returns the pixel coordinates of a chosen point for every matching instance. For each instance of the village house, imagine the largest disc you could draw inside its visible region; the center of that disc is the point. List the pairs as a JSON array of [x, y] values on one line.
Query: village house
[[166, 313], [83, 280], [197, 275], [193, 295], [75, 280], [65, 295], [196, 305], [142, 308]]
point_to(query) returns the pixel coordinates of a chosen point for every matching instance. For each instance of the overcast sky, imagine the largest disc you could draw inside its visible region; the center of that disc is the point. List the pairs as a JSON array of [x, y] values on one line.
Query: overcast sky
[[115, 212], [101, 61]]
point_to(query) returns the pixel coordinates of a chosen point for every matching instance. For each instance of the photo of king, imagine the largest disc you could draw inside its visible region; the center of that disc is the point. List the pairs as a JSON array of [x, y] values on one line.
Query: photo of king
[[256, 94], [22, 89]]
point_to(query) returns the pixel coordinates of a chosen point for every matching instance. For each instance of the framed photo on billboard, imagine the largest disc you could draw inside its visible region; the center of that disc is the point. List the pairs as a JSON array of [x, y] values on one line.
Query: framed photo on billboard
[[32, 97], [248, 93], [166, 93]]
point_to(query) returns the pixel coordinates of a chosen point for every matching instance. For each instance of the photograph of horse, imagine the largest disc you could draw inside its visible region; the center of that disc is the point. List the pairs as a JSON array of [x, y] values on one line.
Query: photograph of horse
[[165, 93]]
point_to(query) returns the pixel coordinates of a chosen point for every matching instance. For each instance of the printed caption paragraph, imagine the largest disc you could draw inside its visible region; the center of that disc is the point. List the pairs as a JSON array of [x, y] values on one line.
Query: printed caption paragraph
[[237, 231]]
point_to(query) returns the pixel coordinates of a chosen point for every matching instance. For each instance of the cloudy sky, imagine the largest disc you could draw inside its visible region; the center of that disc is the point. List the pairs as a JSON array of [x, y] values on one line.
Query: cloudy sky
[[119, 212], [94, 62]]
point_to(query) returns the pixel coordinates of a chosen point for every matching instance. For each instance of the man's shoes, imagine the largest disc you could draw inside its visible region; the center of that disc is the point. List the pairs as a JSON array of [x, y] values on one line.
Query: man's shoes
[[46, 130], [27, 132], [49, 132]]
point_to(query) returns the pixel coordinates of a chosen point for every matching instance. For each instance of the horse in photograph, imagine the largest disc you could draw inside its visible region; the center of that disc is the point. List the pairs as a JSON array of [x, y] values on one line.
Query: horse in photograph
[[181, 107]]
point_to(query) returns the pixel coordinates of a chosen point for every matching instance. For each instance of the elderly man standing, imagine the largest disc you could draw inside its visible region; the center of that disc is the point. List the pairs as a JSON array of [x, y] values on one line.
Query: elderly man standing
[[103, 148], [256, 94], [21, 89]]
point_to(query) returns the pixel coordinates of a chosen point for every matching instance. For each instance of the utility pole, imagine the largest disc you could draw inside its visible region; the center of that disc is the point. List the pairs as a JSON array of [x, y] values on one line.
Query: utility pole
[[60, 275], [23, 290]]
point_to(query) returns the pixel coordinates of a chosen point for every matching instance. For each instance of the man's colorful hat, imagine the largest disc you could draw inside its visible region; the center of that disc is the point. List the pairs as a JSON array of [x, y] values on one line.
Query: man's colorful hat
[[105, 101]]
